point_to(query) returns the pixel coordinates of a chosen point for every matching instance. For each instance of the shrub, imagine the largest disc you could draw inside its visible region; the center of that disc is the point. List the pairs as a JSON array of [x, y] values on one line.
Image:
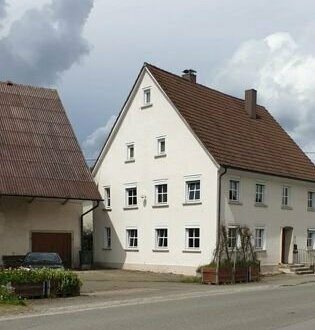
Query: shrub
[[7, 296]]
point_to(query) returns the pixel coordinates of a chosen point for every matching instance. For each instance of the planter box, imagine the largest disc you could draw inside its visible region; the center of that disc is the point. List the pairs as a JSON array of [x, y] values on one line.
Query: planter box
[[210, 275], [253, 273], [241, 274], [30, 290]]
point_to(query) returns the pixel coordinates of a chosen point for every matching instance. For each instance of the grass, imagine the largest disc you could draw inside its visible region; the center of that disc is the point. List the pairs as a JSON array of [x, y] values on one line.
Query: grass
[[7, 297], [191, 279]]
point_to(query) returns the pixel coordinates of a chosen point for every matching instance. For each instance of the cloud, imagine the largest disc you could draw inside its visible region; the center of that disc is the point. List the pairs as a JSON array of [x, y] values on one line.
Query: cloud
[[2, 8], [44, 42], [283, 74], [94, 142]]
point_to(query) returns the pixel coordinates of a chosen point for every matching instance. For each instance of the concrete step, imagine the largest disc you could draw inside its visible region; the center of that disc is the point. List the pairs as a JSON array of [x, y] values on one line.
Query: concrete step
[[304, 272], [301, 268]]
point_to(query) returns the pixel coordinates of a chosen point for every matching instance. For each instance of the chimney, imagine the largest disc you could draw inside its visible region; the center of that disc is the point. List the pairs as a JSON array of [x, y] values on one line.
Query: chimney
[[251, 102], [190, 75]]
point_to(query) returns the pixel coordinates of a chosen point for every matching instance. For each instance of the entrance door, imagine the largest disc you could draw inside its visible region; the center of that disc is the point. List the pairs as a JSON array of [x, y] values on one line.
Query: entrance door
[[53, 242], [286, 244]]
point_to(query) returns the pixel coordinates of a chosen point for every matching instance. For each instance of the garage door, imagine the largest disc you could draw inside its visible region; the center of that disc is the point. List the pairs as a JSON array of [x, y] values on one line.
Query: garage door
[[53, 242]]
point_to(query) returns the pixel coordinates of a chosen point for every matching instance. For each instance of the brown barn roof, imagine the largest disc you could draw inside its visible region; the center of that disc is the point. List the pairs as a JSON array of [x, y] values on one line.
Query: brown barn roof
[[39, 153], [230, 135]]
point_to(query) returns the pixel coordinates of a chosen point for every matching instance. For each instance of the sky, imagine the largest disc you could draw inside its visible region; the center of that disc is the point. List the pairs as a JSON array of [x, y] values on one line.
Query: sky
[[92, 51]]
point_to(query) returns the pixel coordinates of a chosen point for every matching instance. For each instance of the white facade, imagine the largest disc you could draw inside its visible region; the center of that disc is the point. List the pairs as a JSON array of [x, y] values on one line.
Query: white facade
[[135, 158]]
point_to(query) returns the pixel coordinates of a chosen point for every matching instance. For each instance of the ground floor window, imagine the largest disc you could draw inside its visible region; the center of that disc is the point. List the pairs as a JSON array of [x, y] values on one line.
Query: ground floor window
[[192, 238], [132, 238], [107, 238], [161, 238], [232, 237], [311, 239], [259, 238]]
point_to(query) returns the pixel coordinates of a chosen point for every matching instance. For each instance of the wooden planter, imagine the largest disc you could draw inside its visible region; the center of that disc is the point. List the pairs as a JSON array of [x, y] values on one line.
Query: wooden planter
[[54, 291], [253, 273], [30, 290], [241, 274], [211, 276]]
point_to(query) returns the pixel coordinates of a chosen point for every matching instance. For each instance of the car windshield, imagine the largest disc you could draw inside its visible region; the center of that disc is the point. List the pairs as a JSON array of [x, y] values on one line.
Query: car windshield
[[43, 258]]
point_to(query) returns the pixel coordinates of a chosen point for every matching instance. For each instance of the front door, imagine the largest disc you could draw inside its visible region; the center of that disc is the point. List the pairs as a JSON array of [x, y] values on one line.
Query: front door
[[286, 244]]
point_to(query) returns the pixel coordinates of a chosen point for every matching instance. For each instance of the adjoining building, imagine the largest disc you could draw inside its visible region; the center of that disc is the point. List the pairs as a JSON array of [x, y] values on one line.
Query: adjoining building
[[182, 159], [44, 180]]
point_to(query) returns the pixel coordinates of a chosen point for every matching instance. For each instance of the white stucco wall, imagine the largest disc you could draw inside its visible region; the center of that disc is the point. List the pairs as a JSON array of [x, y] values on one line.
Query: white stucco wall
[[19, 218], [185, 157], [273, 218]]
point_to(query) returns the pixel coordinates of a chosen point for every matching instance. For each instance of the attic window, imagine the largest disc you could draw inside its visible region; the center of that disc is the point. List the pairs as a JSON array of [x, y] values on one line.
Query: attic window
[[147, 102]]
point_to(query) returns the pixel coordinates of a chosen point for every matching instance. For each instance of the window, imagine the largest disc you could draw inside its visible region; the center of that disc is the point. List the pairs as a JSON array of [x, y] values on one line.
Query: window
[[311, 239], [285, 196], [161, 238], [232, 237], [147, 96], [234, 193], [131, 196], [193, 191], [310, 199], [161, 146], [259, 238], [132, 238], [130, 151], [260, 193], [107, 238], [192, 238], [107, 200], [161, 193]]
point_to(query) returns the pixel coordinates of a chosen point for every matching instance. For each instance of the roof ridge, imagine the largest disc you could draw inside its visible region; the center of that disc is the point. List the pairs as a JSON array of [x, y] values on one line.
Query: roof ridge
[[146, 64], [11, 83]]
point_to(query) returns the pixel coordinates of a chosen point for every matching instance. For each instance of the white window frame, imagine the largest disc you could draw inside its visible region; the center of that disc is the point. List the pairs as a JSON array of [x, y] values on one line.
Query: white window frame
[[230, 238], [260, 194], [162, 239], [130, 146], [127, 189], [285, 197], [159, 140], [310, 199], [188, 182], [107, 197], [194, 239], [132, 238], [107, 237], [156, 193], [147, 100], [261, 239], [310, 239], [234, 190]]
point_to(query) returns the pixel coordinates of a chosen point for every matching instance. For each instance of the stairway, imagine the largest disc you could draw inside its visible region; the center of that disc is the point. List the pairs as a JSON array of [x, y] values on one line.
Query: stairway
[[301, 269]]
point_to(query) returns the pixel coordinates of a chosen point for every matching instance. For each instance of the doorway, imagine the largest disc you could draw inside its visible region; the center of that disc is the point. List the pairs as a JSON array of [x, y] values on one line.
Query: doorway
[[286, 244]]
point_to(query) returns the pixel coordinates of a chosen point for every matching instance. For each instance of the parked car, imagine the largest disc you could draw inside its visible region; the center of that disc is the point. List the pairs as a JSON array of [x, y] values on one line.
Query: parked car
[[42, 259]]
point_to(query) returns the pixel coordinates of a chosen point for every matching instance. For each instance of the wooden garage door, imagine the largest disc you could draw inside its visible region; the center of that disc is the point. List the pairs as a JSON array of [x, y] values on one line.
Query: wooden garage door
[[53, 242]]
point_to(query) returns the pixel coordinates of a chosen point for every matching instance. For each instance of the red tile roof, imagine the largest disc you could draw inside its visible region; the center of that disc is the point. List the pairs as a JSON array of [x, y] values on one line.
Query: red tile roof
[[230, 135], [39, 153]]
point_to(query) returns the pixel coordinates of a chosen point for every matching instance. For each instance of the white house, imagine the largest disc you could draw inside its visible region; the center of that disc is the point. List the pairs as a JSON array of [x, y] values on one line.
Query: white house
[[183, 158]]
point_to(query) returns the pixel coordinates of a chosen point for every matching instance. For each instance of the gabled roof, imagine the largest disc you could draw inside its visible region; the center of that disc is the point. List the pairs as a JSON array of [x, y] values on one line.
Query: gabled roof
[[230, 135], [39, 153]]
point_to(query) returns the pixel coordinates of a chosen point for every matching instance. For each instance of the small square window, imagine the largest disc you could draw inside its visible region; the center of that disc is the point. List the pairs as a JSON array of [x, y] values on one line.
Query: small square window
[[310, 199], [234, 193], [161, 238], [147, 96], [193, 191], [285, 196], [260, 194], [259, 238], [130, 151], [107, 238], [161, 193], [193, 238], [131, 197], [107, 199], [161, 146], [132, 238]]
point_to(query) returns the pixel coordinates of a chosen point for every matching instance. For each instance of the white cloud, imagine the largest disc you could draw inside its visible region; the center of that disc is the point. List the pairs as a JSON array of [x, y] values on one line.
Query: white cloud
[[94, 142], [283, 74]]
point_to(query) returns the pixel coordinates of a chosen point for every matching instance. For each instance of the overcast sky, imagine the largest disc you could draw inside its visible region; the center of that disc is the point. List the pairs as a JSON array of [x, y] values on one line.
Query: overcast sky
[[92, 50]]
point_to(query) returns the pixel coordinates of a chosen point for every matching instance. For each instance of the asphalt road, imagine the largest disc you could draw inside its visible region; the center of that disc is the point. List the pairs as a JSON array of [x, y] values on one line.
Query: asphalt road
[[240, 307]]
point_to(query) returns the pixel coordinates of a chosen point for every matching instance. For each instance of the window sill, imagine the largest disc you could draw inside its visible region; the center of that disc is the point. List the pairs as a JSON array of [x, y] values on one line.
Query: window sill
[[191, 251], [158, 206], [130, 161], [132, 250], [311, 209], [107, 249], [146, 106], [235, 203], [260, 250], [192, 203], [130, 208], [160, 156], [284, 207], [260, 205], [108, 209], [160, 250]]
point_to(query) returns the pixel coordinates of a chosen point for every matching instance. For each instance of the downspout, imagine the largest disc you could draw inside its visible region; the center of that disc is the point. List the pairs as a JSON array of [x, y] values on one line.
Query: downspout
[[219, 218], [81, 221]]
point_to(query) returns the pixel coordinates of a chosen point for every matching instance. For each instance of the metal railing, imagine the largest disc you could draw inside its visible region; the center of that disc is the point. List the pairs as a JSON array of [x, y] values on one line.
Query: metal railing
[[304, 256]]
